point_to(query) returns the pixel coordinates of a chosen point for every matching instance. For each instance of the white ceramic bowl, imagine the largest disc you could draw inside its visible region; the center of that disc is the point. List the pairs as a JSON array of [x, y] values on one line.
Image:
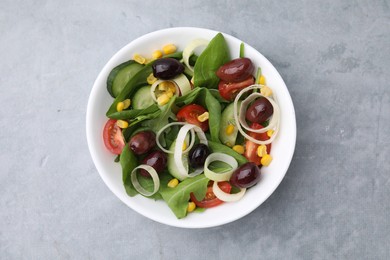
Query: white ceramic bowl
[[282, 148]]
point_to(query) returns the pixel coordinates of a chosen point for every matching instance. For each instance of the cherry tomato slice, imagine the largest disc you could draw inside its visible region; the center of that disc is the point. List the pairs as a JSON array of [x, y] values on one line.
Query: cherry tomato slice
[[229, 90], [210, 200], [190, 113], [113, 138], [251, 147]]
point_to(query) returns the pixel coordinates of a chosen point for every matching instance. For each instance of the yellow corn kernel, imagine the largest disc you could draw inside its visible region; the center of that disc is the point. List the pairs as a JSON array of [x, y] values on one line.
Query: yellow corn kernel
[[266, 91], [126, 103], [239, 149], [172, 87], [270, 133], [173, 183], [229, 129], [139, 58], [266, 160], [169, 94], [120, 106], [122, 123], [261, 150], [191, 206], [169, 49], [166, 85], [184, 147], [157, 54], [262, 80], [203, 117], [151, 79], [162, 99]]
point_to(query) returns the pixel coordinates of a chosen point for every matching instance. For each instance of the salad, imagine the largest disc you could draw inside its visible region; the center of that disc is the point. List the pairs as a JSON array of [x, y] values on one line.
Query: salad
[[192, 127]]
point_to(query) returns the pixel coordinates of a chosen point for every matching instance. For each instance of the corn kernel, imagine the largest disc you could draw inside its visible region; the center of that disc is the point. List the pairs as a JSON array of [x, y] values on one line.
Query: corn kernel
[[122, 124], [270, 133], [229, 129], [151, 79], [120, 106], [126, 103], [157, 54], [173, 183], [261, 150], [139, 58], [172, 87], [169, 49], [165, 85], [239, 149], [262, 80], [266, 91], [184, 147], [191, 206], [203, 117], [162, 99], [169, 94], [266, 160]]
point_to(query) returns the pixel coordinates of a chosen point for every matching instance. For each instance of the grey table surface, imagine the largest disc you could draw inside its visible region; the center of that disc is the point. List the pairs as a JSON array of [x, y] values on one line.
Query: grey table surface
[[334, 201]]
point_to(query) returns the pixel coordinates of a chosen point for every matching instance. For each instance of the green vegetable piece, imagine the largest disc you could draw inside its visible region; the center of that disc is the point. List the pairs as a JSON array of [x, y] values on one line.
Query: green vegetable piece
[[133, 113], [177, 198], [137, 81], [221, 148], [214, 56], [242, 50], [142, 98], [214, 108], [128, 162], [120, 75]]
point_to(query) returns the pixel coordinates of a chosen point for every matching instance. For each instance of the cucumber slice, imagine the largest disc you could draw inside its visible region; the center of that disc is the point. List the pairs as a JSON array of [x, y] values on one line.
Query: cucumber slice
[[120, 75], [142, 98], [227, 118], [172, 168]]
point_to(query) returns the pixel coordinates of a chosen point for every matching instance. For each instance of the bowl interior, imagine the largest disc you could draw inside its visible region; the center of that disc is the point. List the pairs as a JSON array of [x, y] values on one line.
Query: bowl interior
[[282, 148]]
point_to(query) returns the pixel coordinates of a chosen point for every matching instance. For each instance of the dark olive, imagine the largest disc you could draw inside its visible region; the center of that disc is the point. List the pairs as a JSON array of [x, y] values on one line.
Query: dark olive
[[167, 68], [236, 70], [259, 111], [156, 159], [198, 155], [246, 175], [142, 142]]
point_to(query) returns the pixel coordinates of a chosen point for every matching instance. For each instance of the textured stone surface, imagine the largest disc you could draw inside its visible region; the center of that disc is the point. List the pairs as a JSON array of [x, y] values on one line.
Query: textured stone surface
[[334, 201]]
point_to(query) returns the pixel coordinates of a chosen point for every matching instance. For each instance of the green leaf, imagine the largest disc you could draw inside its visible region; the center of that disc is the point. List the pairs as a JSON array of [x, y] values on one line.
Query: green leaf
[[214, 56], [214, 108], [221, 148], [162, 120], [133, 113], [128, 162], [177, 198]]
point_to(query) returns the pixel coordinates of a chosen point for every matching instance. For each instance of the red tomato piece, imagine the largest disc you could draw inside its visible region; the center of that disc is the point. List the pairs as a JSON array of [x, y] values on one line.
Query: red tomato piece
[[190, 113], [113, 138], [229, 90], [210, 200], [251, 147]]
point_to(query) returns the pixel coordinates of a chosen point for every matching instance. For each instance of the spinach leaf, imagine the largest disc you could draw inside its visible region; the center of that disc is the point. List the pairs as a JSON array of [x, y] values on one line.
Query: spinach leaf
[[128, 162], [214, 108], [133, 113], [188, 98], [221, 148], [162, 120], [177, 198], [214, 56]]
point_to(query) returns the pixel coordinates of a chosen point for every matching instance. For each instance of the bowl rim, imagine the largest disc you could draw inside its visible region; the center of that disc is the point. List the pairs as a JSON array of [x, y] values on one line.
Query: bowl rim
[[100, 168]]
